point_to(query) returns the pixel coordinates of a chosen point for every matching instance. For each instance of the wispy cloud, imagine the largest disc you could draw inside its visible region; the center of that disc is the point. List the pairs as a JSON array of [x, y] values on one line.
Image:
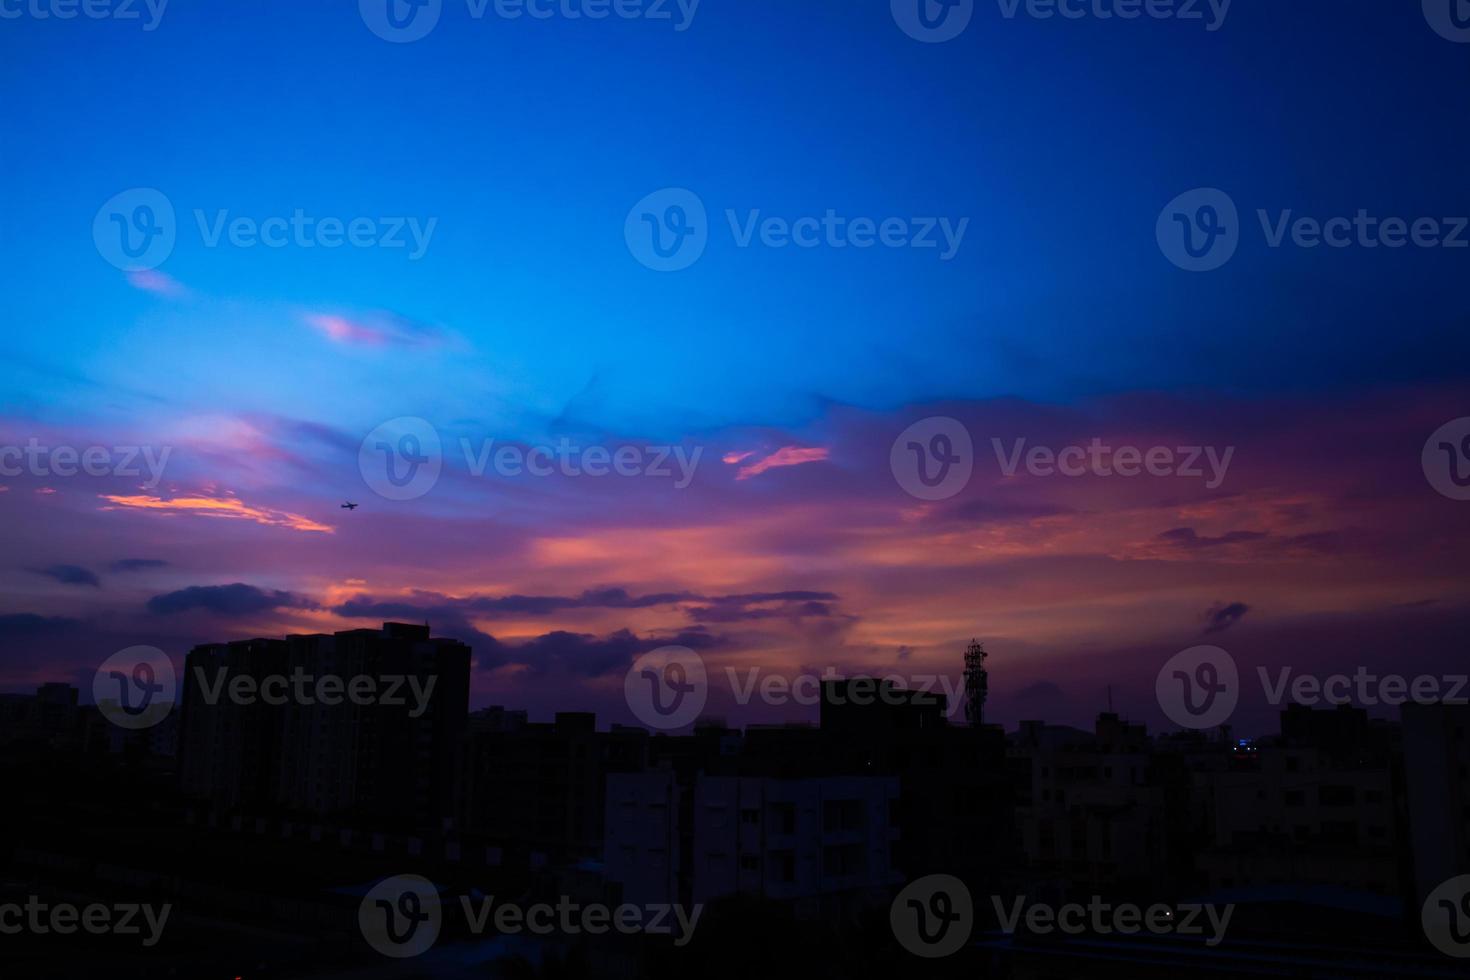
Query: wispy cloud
[[229, 507], [71, 575], [785, 456], [160, 283], [376, 330]]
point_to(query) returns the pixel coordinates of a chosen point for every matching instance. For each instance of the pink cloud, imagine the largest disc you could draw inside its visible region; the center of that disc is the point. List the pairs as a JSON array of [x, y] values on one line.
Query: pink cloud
[[153, 281], [785, 456], [732, 458], [374, 330]]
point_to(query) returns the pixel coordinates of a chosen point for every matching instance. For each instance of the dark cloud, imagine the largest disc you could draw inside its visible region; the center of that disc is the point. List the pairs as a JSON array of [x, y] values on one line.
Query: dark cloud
[[764, 605], [584, 654], [18, 626], [71, 575], [1038, 690], [437, 607], [137, 564], [1186, 537], [1221, 616], [237, 599]]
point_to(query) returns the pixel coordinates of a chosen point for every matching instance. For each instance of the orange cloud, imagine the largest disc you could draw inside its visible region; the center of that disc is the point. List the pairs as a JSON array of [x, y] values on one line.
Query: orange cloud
[[226, 507]]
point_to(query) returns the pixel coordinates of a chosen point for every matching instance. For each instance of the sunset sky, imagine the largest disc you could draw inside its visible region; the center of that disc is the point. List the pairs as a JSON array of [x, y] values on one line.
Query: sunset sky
[[790, 371]]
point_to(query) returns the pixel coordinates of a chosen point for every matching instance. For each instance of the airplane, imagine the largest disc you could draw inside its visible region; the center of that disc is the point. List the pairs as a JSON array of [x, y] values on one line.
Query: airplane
[[349, 506]]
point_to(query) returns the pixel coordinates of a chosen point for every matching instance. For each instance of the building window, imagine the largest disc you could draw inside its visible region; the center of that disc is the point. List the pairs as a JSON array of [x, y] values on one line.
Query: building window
[[842, 815], [783, 867]]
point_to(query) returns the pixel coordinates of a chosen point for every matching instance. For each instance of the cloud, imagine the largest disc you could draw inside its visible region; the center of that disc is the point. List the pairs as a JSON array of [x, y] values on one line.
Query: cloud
[[376, 330], [726, 608], [785, 456], [229, 507], [585, 654], [757, 605], [161, 283], [237, 599], [17, 626], [71, 575], [1186, 537], [137, 564], [1221, 616]]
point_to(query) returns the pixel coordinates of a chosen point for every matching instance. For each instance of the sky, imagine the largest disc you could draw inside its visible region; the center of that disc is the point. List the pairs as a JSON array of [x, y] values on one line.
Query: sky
[[502, 169]]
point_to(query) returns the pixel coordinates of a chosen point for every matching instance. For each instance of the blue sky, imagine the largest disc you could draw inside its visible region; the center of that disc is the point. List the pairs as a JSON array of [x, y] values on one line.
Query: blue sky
[[528, 317], [528, 141]]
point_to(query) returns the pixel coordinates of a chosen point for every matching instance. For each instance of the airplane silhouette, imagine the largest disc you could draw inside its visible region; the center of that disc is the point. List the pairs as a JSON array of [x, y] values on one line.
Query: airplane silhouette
[[349, 506]]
